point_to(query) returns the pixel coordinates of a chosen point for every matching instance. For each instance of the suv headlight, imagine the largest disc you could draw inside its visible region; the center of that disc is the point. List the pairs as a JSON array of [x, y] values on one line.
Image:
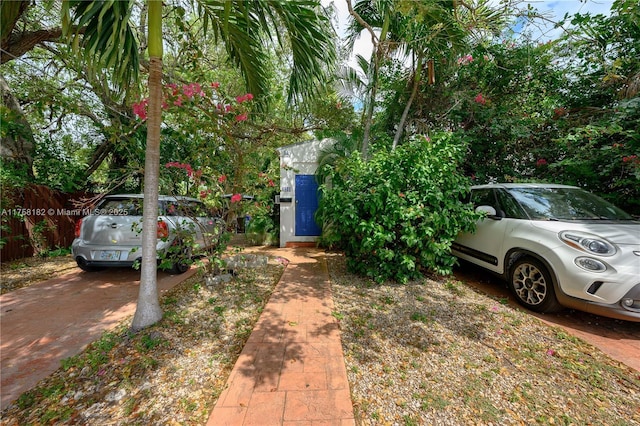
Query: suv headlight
[[588, 243]]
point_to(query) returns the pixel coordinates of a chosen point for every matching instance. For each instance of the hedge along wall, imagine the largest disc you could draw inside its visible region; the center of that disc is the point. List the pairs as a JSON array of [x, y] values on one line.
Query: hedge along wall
[[36, 219]]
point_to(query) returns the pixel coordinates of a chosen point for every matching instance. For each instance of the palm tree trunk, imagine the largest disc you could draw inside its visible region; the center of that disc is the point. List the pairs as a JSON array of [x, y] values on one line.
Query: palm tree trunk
[[148, 310], [377, 56], [405, 113]]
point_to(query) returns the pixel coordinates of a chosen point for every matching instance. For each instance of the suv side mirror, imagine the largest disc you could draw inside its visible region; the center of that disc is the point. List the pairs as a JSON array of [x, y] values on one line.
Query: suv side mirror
[[490, 211]]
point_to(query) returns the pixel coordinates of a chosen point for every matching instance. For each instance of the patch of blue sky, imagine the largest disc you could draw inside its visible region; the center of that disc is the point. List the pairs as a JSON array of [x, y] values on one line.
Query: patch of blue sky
[[555, 11]]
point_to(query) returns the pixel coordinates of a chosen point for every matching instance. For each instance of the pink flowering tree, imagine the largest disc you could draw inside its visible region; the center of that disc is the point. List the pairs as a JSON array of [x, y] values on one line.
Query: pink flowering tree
[[228, 144], [205, 112]]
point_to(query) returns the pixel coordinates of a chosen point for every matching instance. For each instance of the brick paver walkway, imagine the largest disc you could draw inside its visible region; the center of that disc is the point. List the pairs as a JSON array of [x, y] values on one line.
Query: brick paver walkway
[[291, 371]]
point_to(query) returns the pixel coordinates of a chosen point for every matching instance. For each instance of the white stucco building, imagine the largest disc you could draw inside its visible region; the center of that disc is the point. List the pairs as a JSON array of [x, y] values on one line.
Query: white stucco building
[[299, 192]]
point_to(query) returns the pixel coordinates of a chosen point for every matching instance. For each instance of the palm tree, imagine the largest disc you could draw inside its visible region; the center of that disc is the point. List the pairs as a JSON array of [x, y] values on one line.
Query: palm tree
[[109, 41], [420, 30]]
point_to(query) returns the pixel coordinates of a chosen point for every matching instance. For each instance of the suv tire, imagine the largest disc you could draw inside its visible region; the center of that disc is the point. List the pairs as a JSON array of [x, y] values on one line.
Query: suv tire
[[531, 283]]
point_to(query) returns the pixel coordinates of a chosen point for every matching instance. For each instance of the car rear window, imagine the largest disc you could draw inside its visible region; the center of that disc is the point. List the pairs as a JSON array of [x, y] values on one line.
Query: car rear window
[[120, 207], [186, 208], [131, 206]]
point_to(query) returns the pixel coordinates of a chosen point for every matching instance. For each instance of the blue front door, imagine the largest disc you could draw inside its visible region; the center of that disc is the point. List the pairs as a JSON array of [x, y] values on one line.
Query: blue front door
[[306, 205]]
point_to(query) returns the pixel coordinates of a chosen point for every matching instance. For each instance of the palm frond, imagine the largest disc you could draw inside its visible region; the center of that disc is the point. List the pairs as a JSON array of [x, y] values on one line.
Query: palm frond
[[102, 29], [246, 27]]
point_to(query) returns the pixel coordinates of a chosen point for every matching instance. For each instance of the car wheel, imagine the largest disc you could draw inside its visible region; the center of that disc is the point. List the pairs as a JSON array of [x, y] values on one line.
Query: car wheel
[[531, 283], [183, 263]]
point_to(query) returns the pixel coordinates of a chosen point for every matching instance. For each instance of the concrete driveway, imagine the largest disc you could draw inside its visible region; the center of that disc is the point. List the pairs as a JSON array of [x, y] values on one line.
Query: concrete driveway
[[56, 319]]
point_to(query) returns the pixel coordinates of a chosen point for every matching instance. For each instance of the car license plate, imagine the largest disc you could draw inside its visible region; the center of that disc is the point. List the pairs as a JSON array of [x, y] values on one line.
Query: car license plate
[[110, 255]]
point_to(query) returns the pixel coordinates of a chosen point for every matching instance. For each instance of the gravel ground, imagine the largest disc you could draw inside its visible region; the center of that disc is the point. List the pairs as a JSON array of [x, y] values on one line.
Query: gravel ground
[[433, 352]]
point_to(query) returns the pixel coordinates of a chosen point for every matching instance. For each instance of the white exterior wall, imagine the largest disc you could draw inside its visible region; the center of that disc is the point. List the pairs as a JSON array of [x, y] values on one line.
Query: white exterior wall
[[298, 159]]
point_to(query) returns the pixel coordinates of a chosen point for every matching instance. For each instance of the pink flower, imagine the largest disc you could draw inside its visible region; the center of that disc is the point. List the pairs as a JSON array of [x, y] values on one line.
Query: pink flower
[[243, 98], [551, 352], [241, 117], [191, 89], [140, 109], [465, 60], [480, 99], [235, 198], [215, 85], [174, 88], [541, 162], [222, 178]]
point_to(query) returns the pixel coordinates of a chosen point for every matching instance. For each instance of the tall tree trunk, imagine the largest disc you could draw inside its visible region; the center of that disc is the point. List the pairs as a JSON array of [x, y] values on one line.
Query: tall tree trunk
[[148, 310], [405, 113], [376, 57]]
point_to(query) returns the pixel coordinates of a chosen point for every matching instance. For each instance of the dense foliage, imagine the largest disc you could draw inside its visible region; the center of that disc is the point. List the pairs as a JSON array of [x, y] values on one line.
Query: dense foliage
[[397, 214], [561, 110], [564, 110]]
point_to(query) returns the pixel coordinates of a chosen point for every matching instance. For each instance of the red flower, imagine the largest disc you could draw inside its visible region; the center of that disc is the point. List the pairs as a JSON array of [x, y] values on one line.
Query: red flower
[[192, 89], [243, 98], [271, 183], [480, 99], [241, 117], [235, 198], [222, 178], [140, 109], [541, 162], [215, 85]]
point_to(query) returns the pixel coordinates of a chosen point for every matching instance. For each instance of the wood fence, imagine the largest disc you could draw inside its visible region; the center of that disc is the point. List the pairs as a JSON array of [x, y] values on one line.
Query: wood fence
[[36, 219]]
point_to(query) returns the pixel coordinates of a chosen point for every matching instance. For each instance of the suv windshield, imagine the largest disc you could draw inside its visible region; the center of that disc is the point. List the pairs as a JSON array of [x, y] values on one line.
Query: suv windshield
[[565, 204]]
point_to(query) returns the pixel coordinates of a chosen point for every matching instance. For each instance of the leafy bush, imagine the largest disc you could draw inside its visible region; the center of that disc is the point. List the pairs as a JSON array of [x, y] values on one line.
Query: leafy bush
[[397, 214]]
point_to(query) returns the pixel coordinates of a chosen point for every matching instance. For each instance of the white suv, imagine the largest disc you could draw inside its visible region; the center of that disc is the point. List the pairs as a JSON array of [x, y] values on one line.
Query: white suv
[[112, 234], [557, 246]]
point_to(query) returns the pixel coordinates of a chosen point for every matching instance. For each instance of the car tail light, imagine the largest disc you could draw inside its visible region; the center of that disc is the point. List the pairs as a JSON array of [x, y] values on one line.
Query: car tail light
[[76, 232], [163, 229]]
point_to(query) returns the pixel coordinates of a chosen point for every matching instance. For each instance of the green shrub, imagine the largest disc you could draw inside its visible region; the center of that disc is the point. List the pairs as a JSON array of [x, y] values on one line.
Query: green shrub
[[396, 215]]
